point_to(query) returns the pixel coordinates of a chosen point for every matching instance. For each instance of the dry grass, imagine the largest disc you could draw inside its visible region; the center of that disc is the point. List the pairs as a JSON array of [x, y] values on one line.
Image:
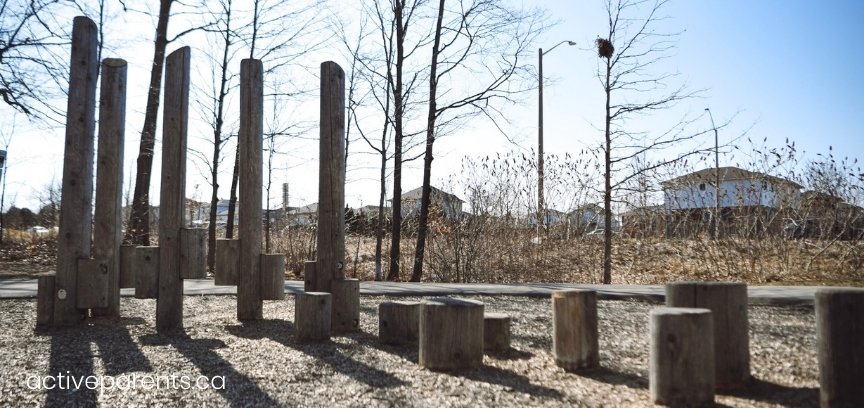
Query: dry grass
[[515, 255]]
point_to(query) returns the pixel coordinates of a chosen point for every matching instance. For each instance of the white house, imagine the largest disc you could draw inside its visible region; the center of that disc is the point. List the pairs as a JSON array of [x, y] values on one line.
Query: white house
[[739, 188]]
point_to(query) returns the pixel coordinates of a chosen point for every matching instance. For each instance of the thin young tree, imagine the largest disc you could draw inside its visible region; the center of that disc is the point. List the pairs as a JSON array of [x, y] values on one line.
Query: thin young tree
[[630, 55], [476, 34]]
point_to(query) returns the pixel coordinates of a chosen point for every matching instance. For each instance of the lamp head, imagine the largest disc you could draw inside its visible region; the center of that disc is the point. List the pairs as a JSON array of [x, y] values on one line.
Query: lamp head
[[571, 42]]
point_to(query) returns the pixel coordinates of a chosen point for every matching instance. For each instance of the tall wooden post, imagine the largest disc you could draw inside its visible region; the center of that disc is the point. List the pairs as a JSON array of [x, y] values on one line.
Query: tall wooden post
[[169, 304], [249, 305], [331, 184], [74, 239], [108, 218]]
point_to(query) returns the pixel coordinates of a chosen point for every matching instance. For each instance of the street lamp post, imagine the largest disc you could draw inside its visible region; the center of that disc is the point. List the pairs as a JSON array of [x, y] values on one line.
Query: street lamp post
[[716, 232], [541, 203]]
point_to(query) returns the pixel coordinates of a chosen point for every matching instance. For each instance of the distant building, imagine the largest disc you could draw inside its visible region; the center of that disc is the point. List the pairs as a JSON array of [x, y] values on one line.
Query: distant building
[[304, 216], [749, 201], [449, 205]]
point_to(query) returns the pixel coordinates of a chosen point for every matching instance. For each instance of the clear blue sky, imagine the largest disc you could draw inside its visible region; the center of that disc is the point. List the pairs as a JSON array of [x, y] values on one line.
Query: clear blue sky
[[787, 68], [782, 69]]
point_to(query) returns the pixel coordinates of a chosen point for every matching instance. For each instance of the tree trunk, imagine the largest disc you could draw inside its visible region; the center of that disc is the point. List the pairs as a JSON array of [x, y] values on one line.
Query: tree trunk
[[232, 203], [217, 144], [396, 228], [607, 191], [138, 231], [423, 227]]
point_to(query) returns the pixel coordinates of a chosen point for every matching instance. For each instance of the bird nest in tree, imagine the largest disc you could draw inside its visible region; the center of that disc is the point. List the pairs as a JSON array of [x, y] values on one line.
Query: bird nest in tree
[[605, 48]]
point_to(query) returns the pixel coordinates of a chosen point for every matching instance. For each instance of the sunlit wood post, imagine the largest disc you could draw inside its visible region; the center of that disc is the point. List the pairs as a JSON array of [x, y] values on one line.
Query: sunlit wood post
[[74, 237], [169, 304]]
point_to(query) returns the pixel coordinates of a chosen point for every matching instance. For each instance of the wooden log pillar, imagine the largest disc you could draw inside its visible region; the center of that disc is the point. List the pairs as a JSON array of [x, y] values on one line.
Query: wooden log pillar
[[727, 302], [93, 284], [108, 218], [312, 313], [76, 211], [346, 305], [249, 304], [331, 182], [45, 301], [840, 346], [227, 262], [309, 276], [575, 342], [169, 304], [451, 334], [496, 332], [145, 269], [681, 368], [193, 253], [272, 276], [398, 322], [127, 267]]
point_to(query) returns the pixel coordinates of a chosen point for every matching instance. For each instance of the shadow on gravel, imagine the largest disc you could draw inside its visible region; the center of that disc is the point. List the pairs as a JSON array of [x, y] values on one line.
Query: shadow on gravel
[[71, 360], [609, 376], [328, 352], [238, 390], [510, 354], [772, 393], [506, 378]]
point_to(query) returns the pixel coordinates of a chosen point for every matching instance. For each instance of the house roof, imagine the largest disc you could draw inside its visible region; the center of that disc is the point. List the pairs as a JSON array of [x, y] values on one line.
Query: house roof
[[726, 174], [416, 193], [309, 209]]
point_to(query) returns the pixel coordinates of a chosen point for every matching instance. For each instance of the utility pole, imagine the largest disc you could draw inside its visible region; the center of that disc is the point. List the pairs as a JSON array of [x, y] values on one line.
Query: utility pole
[[716, 232], [541, 202]]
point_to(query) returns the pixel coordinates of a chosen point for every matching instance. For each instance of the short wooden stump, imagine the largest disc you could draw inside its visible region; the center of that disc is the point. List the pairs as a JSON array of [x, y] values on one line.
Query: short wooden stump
[[574, 330], [312, 315], [346, 305], [451, 334], [727, 302], [496, 332], [398, 322], [840, 346], [682, 357]]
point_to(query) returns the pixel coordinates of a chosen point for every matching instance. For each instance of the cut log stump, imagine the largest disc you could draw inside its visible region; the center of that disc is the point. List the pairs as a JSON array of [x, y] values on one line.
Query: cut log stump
[[398, 322], [681, 368], [193, 253], [227, 262], [840, 346], [45, 300], [727, 302], [312, 314], [346, 305], [272, 276], [496, 332], [145, 261], [574, 342], [451, 334]]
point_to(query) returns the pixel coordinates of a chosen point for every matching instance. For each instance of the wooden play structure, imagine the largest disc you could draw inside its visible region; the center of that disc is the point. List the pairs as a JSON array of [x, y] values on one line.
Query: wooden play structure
[[699, 339]]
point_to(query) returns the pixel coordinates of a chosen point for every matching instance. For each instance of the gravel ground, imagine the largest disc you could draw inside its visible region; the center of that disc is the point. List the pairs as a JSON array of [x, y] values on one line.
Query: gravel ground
[[263, 364]]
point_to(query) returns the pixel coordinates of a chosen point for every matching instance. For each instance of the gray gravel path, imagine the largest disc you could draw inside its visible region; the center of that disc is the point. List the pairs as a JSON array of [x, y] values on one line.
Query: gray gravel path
[[758, 295], [263, 364]]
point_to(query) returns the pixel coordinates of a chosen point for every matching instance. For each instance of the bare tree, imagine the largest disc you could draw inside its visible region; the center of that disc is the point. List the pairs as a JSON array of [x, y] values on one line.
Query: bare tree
[[215, 109], [277, 34], [476, 34], [629, 54], [33, 62]]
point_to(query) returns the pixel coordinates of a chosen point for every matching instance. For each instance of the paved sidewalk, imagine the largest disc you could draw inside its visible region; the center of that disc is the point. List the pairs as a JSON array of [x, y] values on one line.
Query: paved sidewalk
[[758, 295]]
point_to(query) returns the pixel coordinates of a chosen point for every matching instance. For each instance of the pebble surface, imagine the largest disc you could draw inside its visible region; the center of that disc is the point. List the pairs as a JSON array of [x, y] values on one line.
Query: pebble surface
[[263, 364]]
